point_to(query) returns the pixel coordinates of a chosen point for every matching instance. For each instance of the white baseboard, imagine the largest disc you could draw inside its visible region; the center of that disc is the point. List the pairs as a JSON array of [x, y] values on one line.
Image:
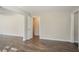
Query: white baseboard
[[11, 34], [76, 41], [24, 39], [28, 38], [47, 38]]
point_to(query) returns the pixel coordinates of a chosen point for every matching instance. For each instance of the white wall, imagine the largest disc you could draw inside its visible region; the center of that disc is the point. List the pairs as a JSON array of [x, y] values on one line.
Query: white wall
[[55, 26], [12, 24]]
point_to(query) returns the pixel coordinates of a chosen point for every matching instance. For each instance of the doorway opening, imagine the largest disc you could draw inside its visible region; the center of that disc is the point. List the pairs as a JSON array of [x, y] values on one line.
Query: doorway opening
[[36, 20], [36, 42], [36, 25]]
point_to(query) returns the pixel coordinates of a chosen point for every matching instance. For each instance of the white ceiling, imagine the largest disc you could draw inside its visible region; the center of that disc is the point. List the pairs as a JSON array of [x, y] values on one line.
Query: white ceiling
[[4, 11], [49, 8], [40, 9]]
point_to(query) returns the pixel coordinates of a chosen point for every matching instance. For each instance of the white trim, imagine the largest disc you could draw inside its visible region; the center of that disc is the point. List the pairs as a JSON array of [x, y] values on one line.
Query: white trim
[[47, 38], [72, 24], [11, 34], [75, 10], [39, 25], [27, 34], [75, 41], [37, 34], [78, 30], [26, 38], [72, 27]]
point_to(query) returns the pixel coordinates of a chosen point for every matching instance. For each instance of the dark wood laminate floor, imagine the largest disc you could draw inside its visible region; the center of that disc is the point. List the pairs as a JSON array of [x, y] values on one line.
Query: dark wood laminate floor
[[38, 45]]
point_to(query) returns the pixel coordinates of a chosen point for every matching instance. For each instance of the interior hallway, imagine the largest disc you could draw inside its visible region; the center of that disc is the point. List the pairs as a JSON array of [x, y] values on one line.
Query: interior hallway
[[31, 46]]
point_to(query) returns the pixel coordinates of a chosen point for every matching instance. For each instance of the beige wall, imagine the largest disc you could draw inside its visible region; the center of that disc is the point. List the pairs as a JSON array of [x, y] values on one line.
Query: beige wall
[[55, 26], [12, 24]]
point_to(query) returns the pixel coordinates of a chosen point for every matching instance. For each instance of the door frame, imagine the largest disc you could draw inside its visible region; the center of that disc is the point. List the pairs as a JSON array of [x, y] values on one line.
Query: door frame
[[72, 25], [39, 26]]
